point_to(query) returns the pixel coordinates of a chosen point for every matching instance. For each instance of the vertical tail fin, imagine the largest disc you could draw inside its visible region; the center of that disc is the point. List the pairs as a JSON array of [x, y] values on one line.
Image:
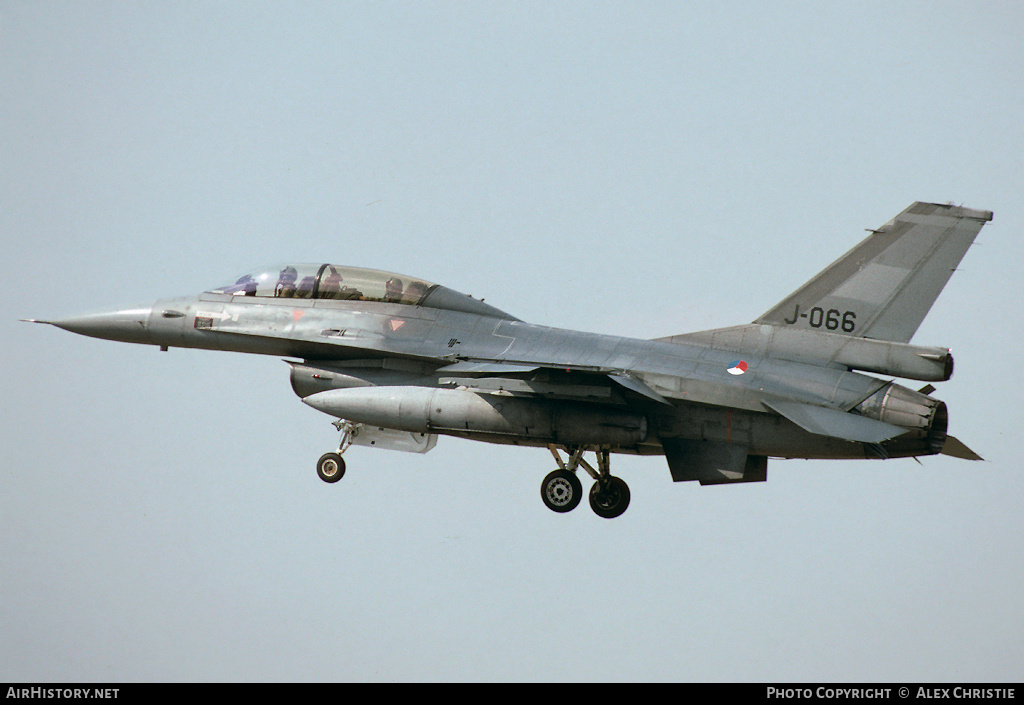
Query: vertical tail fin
[[884, 287]]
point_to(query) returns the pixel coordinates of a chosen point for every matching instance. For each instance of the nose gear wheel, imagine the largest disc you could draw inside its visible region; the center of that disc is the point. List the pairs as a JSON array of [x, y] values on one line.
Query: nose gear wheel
[[331, 466]]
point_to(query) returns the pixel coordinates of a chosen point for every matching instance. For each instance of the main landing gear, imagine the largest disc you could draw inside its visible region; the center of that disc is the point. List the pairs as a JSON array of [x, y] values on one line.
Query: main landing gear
[[562, 491]]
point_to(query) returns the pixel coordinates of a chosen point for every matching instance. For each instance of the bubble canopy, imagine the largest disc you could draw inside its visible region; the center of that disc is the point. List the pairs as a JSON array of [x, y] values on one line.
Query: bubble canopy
[[340, 283]]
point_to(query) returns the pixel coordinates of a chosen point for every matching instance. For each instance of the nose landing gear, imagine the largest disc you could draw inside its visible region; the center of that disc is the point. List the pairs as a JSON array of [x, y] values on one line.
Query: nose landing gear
[[331, 466], [562, 491]]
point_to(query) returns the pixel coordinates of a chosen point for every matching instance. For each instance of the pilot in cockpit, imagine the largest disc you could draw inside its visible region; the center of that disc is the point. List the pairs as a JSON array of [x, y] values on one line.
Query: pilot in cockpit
[[393, 290], [332, 287], [285, 288]]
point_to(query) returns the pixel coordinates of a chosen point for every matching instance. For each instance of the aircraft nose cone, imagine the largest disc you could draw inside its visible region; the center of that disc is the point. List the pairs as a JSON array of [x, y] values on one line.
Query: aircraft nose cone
[[129, 325]]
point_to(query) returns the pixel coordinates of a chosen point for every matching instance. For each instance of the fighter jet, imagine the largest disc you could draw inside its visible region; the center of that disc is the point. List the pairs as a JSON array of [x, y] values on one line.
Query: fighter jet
[[398, 360]]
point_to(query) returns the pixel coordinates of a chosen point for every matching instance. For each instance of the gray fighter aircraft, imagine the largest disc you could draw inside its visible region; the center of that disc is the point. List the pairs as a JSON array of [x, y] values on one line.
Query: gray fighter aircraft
[[398, 360]]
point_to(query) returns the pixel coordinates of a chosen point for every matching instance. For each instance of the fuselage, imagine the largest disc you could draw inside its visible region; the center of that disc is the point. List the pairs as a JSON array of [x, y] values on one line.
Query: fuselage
[[342, 343]]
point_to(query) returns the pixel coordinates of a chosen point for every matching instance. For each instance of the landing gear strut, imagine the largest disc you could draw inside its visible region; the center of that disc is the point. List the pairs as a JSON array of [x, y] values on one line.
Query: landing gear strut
[[331, 466], [562, 491]]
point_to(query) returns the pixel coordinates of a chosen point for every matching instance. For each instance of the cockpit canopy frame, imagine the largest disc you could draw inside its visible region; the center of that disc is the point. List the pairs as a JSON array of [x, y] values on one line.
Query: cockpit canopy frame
[[334, 282], [329, 281]]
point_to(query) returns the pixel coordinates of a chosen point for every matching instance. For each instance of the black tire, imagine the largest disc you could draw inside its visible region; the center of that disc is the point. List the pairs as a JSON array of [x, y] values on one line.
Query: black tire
[[610, 498], [330, 467], [561, 491]]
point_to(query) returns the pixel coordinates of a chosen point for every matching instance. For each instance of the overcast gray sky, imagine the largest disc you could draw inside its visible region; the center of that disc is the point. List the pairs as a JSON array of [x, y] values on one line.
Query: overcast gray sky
[[160, 516]]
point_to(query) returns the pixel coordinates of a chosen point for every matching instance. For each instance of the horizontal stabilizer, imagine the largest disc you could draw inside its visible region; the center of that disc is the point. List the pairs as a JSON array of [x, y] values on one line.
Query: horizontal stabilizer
[[835, 423], [956, 449]]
